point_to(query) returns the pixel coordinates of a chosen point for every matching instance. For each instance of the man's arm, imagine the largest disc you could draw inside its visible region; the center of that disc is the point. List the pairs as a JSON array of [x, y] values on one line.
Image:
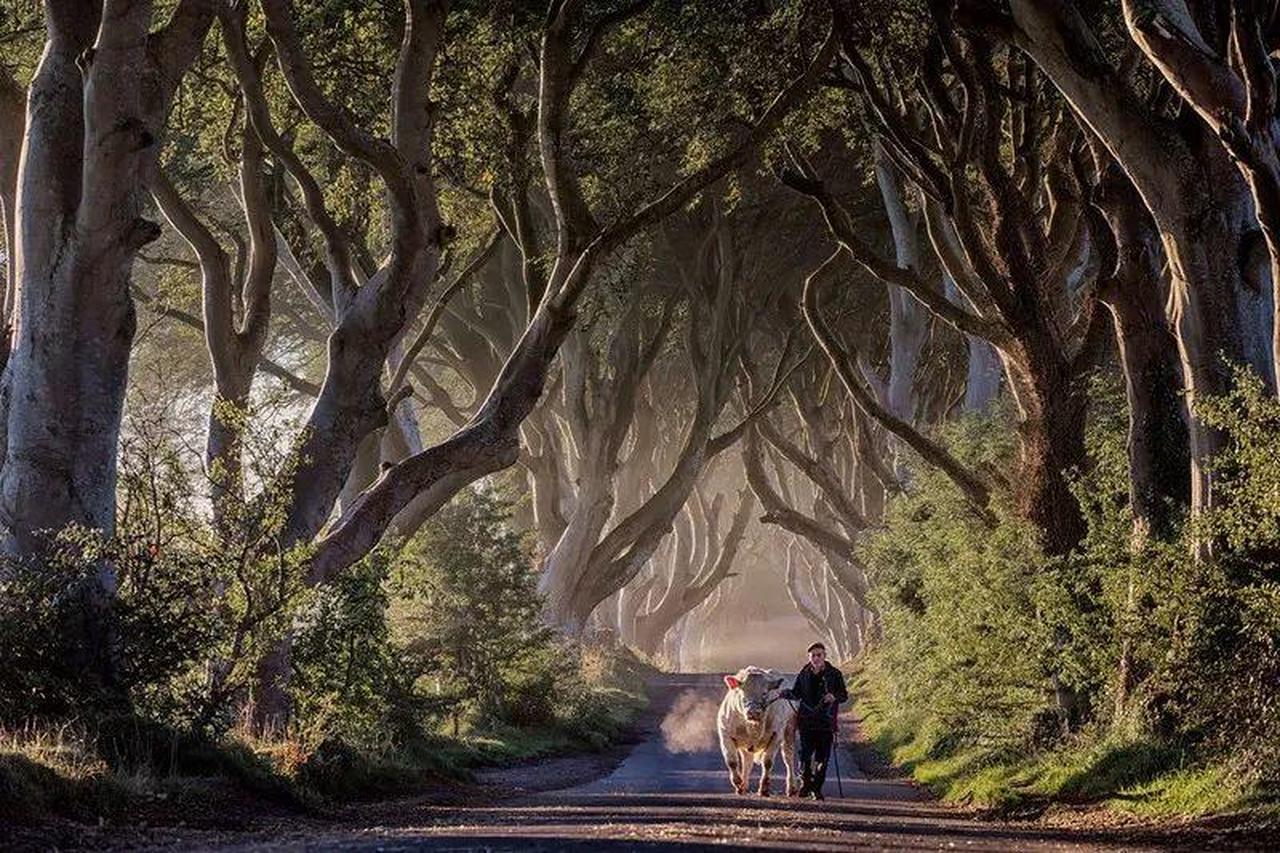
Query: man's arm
[[793, 692]]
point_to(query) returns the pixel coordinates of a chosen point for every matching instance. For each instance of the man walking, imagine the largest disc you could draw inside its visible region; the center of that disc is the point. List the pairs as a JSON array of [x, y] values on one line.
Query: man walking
[[819, 690]]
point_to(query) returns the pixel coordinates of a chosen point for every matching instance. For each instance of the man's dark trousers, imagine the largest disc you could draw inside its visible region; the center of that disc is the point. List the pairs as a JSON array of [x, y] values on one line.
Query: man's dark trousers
[[815, 751], [816, 720]]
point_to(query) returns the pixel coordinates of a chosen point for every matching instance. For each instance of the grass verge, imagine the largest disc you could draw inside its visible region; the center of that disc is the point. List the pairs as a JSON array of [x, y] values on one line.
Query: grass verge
[[1136, 777], [108, 769]]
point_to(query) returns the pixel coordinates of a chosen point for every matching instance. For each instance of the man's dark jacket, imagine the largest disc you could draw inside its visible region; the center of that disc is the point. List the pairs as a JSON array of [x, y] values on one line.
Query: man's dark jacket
[[808, 691]]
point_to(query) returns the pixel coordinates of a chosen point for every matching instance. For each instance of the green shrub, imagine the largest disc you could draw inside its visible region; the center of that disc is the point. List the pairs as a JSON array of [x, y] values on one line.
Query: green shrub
[[352, 680], [466, 604], [962, 631], [189, 615], [1157, 651], [407, 648]]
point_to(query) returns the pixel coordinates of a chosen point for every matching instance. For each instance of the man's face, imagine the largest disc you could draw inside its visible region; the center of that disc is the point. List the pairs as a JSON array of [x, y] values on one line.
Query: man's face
[[817, 658]]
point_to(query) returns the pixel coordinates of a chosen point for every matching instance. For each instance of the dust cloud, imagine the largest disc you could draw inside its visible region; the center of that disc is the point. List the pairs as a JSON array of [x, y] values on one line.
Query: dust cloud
[[690, 725]]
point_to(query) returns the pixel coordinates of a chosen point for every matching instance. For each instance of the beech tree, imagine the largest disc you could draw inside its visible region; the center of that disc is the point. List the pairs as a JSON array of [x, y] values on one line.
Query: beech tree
[[96, 109], [1197, 198], [1218, 61], [1029, 279], [96, 105], [691, 580]]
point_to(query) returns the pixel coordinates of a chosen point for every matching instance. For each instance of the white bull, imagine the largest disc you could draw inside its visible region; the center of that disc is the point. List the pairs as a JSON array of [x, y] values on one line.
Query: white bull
[[753, 724]]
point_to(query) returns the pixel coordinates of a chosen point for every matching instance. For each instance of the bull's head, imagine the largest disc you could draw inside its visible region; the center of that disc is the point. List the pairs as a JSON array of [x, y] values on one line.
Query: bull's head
[[754, 686]]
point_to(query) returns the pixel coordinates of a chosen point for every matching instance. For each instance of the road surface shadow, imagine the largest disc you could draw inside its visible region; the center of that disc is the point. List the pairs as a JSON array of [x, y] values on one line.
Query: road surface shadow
[[670, 792]]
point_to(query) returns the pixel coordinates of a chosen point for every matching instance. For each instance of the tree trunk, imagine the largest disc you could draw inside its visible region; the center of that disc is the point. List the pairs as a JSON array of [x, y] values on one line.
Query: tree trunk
[[974, 488], [1206, 312], [1159, 483], [698, 577], [910, 322], [75, 318], [1195, 195], [1053, 452], [223, 453], [90, 143], [982, 382], [1157, 445], [984, 369], [571, 554], [1053, 401], [547, 486], [1216, 59], [12, 124], [364, 470], [632, 600]]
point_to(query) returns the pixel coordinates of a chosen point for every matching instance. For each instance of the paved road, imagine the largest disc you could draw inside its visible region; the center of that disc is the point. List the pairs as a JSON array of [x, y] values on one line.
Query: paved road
[[671, 793]]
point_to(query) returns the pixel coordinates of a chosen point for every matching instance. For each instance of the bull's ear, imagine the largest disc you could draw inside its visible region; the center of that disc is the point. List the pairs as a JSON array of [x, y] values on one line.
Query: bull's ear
[[731, 682], [776, 683]]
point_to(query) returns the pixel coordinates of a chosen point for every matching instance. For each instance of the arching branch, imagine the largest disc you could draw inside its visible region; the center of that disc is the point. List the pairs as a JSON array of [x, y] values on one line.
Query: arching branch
[[975, 490]]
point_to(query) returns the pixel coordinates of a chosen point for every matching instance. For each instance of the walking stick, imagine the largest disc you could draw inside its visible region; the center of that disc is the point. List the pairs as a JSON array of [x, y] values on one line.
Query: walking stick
[[835, 751]]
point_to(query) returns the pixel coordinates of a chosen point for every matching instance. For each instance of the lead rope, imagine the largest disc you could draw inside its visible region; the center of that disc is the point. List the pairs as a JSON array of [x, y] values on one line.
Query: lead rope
[[835, 737]]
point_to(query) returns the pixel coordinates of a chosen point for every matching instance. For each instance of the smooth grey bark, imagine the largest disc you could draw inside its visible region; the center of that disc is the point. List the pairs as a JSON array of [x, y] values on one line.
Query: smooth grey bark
[[983, 375], [1197, 198], [975, 489], [984, 370], [1159, 481], [675, 554], [1218, 61], [599, 403], [370, 316], [910, 323], [12, 125], [821, 523], [633, 599], [90, 143]]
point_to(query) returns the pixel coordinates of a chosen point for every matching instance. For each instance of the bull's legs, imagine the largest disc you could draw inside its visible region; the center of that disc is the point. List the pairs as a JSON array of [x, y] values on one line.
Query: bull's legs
[[789, 760], [766, 769], [737, 773], [745, 762]]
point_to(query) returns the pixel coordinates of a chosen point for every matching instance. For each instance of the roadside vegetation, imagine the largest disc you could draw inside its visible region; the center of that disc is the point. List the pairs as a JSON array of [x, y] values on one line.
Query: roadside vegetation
[[1132, 673], [373, 373], [426, 661]]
